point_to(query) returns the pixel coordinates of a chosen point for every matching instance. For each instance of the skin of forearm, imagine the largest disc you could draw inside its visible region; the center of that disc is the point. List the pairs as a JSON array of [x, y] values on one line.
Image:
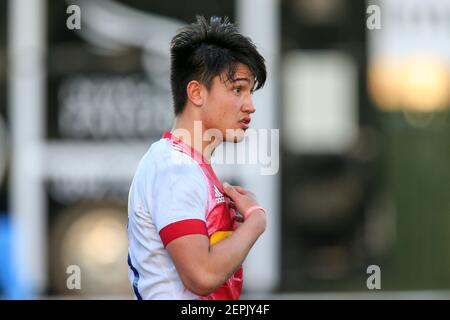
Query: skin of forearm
[[226, 256]]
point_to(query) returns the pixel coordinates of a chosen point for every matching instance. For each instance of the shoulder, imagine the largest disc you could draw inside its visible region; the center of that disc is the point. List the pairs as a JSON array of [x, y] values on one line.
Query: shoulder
[[168, 165]]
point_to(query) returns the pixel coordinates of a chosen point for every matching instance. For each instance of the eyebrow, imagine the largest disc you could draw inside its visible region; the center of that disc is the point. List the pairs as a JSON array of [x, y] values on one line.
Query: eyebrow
[[244, 79], [239, 79]]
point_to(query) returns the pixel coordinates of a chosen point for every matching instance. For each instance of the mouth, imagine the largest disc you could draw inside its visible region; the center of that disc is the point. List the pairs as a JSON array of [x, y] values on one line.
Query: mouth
[[245, 123]]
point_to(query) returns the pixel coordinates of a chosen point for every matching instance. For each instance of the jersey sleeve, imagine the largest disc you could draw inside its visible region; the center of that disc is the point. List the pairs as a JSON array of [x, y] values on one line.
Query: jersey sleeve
[[179, 201]]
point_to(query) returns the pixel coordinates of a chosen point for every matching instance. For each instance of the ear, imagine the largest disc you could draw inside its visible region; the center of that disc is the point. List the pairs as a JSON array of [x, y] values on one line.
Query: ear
[[195, 92]]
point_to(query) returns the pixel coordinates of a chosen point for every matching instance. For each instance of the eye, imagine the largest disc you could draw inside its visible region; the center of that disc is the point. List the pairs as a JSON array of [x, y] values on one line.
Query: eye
[[237, 90]]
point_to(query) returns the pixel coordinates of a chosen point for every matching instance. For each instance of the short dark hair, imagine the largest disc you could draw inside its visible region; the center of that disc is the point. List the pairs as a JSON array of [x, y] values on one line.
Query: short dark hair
[[202, 51]]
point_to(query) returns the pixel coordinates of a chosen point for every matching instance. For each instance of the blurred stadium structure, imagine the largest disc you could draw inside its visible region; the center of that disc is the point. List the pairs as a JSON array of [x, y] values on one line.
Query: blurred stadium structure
[[364, 128]]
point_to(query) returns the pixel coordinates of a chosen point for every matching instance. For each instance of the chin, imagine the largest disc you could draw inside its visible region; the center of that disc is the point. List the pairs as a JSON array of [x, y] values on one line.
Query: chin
[[237, 136]]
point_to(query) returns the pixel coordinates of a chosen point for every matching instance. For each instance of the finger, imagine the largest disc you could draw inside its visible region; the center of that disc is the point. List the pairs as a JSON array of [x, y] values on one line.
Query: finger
[[251, 194], [240, 189], [230, 191]]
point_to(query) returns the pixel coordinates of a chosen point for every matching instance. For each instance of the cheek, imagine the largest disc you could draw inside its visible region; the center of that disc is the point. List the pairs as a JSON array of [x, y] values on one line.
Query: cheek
[[223, 112], [231, 105], [224, 109]]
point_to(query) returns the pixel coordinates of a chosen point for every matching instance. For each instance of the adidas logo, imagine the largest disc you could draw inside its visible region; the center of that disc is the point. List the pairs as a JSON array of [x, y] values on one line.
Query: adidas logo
[[177, 147], [219, 196]]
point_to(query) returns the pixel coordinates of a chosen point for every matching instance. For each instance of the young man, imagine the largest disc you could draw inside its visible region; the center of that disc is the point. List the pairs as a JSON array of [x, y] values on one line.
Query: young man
[[184, 242]]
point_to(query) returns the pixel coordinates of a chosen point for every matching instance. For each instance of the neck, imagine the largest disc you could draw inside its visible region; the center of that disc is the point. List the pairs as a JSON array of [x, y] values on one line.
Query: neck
[[191, 131]]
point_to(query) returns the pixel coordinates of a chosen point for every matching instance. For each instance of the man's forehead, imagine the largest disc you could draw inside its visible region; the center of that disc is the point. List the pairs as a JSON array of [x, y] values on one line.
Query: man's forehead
[[243, 73]]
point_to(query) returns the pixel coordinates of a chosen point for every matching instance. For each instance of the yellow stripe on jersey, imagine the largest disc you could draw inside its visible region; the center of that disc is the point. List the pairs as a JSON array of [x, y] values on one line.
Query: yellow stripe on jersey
[[219, 236]]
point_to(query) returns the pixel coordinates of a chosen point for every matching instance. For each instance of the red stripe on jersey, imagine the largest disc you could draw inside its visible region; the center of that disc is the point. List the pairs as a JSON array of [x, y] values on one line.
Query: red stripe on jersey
[[181, 228]]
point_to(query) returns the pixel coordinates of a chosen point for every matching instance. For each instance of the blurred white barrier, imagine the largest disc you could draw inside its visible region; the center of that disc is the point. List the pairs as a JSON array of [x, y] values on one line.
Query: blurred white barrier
[[27, 53]]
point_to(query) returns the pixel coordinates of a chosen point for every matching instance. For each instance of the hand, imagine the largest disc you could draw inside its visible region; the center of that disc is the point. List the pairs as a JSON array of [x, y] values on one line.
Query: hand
[[242, 199]]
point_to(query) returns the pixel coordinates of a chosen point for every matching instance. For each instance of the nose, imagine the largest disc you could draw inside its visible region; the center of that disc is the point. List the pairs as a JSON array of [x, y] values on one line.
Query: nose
[[248, 106]]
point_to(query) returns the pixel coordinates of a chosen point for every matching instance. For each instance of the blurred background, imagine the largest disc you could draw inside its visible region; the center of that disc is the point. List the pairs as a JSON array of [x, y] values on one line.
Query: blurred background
[[360, 93]]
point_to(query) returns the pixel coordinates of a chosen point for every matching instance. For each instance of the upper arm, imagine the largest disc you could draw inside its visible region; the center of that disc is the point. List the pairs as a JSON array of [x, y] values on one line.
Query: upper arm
[[190, 256]]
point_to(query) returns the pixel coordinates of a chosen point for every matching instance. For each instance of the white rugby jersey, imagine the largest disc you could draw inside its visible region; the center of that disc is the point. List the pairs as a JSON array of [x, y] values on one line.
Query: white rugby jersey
[[174, 193]]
